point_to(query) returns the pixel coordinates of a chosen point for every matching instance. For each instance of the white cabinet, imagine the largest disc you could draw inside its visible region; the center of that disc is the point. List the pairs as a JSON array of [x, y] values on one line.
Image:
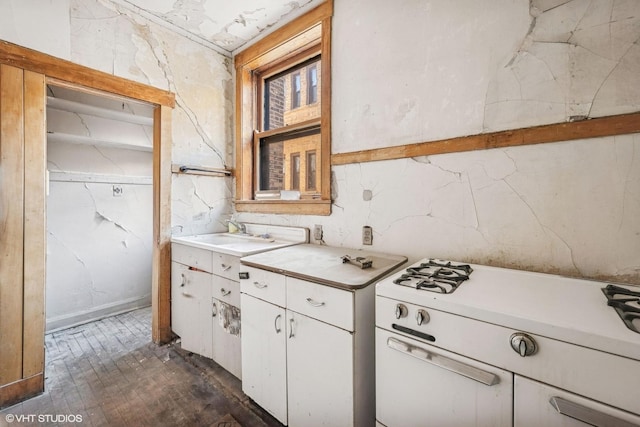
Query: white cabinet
[[537, 404], [205, 303], [264, 361], [320, 367], [308, 361], [191, 308]]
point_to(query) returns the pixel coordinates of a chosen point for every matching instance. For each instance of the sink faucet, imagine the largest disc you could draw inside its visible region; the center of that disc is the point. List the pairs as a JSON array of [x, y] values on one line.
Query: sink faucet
[[240, 226]]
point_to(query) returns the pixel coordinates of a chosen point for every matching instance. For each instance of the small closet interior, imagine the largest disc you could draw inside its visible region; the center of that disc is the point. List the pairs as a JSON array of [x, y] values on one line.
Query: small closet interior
[[99, 206]]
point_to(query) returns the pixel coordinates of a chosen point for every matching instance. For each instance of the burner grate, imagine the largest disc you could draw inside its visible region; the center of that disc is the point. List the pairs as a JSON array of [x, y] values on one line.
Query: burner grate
[[437, 276], [626, 303]]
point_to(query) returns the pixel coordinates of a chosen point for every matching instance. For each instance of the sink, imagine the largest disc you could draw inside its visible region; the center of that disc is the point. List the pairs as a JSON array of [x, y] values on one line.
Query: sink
[[239, 244]]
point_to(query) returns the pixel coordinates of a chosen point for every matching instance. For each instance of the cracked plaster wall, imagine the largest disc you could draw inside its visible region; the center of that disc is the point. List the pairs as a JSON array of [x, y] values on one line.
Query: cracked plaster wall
[[99, 247], [107, 36], [420, 71], [413, 72]]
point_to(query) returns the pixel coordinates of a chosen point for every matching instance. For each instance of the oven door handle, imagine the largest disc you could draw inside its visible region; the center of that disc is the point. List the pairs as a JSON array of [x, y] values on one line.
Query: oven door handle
[[476, 374], [586, 414]]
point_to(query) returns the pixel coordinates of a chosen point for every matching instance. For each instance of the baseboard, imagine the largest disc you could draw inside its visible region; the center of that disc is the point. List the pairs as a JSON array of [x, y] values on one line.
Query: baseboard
[[16, 392], [96, 313]]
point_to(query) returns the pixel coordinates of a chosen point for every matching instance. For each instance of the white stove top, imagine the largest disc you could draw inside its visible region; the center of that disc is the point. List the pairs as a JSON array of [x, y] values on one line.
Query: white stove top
[[566, 309]]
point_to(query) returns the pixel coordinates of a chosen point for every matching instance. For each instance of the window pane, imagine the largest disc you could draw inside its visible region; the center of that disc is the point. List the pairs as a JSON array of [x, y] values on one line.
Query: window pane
[[295, 171], [292, 96], [311, 170], [271, 165], [281, 166], [295, 90], [312, 84]]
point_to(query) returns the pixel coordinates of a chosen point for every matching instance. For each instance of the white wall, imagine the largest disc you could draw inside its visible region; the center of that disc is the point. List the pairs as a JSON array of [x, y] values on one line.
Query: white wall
[[99, 242], [413, 71]]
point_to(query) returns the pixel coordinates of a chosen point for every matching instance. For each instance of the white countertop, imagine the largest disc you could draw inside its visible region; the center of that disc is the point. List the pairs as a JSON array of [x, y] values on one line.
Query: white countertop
[[323, 264], [562, 308], [259, 238]]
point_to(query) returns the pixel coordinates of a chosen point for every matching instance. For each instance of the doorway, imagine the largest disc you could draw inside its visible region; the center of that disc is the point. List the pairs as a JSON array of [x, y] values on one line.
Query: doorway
[[99, 211]]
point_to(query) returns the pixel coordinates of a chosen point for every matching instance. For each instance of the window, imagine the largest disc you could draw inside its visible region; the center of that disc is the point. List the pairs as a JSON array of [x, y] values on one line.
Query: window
[[283, 118], [312, 84], [311, 170], [295, 90], [295, 171]]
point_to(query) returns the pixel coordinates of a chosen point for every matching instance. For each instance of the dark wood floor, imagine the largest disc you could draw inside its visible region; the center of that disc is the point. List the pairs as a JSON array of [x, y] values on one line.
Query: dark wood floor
[[111, 374]]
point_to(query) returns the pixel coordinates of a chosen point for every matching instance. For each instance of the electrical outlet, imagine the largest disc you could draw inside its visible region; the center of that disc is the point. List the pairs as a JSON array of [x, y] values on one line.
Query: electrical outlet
[[317, 232], [367, 235]]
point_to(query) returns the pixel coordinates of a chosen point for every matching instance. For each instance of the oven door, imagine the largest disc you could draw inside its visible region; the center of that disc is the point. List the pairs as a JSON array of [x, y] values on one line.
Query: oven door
[[418, 384], [538, 404]]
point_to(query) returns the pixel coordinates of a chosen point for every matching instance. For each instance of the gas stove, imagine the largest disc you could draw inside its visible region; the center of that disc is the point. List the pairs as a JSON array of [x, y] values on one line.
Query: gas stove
[[435, 275], [477, 333], [626, 303]]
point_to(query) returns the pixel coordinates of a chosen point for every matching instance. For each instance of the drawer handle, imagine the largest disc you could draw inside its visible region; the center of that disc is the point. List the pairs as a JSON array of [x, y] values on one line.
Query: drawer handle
[[313, 303], [225, 267], [586, 414], [224, 292], [184, 280], [479, 375], [186, 294], [291, 322], [275, 323], [214, 309], [259, 285]]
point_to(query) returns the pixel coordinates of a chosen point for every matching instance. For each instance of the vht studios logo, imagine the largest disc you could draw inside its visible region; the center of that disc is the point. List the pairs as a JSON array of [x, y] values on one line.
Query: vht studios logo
[[43, 418]]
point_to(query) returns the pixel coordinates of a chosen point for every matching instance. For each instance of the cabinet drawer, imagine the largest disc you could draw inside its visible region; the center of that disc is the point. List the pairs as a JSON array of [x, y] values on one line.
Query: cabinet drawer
[[265, 285], [193, 257], [330, 305], [226, 290], [226, 265]]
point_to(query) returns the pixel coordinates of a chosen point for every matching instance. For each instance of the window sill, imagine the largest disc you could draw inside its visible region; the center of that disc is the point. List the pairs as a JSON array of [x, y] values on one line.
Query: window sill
[[297, 207]]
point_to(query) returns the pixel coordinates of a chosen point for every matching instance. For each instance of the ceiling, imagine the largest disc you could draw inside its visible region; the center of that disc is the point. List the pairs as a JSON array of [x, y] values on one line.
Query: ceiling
[[225, 25]]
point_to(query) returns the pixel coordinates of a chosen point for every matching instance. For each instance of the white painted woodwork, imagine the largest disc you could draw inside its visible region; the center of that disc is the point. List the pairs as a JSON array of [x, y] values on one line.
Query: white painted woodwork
[[264, 355], [331, 305], [265, 285], [191, 302], [225, 347], [196, 295], [320, 373], [326, 383], [198, 258]]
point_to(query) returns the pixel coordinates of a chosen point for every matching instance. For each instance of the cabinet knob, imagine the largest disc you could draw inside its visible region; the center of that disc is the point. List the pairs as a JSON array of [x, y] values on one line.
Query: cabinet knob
[[523, 344], [422, 317], [401, 311]]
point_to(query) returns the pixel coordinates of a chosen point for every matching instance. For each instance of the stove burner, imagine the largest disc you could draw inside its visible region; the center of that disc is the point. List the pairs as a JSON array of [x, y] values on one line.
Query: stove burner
[[435, 276], [626, 303]]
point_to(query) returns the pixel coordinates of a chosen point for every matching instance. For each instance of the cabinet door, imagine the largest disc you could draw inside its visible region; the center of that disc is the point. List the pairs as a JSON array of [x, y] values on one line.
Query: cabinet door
[[226, 337], [264, 358], [191, 308], [320, 373], [537, 404]]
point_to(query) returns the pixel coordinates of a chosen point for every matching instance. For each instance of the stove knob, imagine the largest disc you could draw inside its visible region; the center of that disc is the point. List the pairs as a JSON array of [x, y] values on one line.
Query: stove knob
[[523, 344], [401, 311], [422, 317]]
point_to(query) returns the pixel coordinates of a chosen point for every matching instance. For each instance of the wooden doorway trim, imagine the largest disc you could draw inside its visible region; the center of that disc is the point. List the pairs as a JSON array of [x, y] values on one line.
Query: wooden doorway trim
[[62, 72]]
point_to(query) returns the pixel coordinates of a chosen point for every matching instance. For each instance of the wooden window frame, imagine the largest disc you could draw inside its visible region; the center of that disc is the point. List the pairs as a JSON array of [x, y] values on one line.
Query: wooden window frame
[[303, 38]]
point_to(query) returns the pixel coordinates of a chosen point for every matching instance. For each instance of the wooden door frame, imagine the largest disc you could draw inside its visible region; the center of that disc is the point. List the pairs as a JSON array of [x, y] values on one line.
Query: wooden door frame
[[61, 72]]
